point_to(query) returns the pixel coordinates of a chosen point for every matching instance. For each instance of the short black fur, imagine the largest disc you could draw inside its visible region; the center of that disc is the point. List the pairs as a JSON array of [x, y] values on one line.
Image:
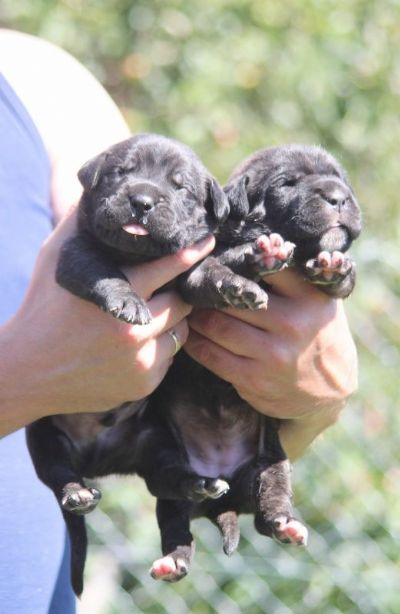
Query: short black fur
[[200, 448]]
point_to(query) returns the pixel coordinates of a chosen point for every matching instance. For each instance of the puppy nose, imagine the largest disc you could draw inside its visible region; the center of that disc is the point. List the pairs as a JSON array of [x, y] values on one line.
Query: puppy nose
[[336, 197], [142, 202]]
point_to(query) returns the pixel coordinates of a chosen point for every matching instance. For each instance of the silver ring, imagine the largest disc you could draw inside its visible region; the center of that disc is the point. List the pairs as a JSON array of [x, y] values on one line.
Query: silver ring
[[176, 340]]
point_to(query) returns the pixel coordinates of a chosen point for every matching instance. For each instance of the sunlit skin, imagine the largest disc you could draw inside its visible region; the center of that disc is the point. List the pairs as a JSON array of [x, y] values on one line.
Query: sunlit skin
[[296, 360]]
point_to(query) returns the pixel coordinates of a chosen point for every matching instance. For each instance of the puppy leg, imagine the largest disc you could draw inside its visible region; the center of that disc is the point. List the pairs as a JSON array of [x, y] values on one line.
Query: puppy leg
[[89, 274], [274, 516], [51, 454], [213, 284], [176, 541], [334, 272], [226, 279], [274, 513]]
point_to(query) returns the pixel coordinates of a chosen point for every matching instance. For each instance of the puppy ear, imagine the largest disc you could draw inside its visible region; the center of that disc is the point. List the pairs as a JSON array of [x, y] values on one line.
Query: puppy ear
[[217, 202], [89, 173], [237, 196]]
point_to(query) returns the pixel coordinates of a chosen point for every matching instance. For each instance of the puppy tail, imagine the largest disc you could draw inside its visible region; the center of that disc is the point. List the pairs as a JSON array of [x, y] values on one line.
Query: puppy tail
[[228, 524], [78, 538]]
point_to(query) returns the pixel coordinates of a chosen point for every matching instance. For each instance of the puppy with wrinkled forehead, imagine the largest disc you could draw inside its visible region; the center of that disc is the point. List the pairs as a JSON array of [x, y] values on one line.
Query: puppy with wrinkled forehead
[[202, 450], [303, 194], [143, 198]]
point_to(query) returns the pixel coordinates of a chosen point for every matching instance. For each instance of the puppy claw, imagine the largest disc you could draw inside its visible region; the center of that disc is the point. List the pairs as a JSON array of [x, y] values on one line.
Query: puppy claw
[[328, 268], [242, 293], [78, 499], [131, 311], [208, 488], [217, 488]]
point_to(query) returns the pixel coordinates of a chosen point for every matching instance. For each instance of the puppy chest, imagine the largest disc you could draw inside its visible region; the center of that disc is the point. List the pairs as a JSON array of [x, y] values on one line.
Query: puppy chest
[[218, 440]]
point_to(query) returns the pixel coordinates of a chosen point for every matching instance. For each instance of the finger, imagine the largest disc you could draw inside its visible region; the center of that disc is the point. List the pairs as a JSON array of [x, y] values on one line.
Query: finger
[[167, 310], [222, 362], [149, 276], [282, 315], [296, 320], [175, 338], [291, 283], [163, 348], [229, 332]]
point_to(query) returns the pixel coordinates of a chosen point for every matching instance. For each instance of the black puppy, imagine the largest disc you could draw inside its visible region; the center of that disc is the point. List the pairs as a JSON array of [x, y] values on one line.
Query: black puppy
[[195, 424], [143, 198], [194, 433], [302, 193]]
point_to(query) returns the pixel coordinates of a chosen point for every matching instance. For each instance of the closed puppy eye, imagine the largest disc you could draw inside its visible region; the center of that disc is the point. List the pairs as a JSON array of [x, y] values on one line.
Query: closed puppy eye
[[289, 182], [177, 180]]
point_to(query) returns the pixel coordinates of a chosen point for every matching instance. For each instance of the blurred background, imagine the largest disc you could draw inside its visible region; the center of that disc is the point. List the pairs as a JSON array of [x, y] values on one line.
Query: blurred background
[[228, 77]]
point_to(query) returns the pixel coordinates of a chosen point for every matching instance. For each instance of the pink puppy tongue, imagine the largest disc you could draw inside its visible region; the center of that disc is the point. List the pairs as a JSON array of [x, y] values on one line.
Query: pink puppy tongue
[[135, 229]]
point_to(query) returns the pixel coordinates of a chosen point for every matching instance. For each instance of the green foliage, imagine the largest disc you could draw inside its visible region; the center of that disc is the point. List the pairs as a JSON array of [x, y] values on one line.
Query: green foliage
[[228, 77]]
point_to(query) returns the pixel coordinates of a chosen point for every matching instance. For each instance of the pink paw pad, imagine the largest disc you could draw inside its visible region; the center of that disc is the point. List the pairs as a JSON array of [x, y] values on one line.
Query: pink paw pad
[[168, 569], [328, 265], [275, 251], [290, 530]]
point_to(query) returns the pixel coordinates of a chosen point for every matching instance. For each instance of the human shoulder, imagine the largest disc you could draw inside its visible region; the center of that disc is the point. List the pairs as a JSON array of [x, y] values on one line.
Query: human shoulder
[[74, 114], [57, 90]]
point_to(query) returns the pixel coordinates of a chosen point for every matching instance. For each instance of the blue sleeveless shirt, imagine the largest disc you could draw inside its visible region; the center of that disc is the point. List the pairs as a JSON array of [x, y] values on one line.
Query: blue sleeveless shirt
[[34, 574]]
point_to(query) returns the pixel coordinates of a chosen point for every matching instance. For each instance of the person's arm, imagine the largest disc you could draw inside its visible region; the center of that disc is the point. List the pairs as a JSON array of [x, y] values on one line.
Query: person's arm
[[73, 113], [61, 354], [296, 360]]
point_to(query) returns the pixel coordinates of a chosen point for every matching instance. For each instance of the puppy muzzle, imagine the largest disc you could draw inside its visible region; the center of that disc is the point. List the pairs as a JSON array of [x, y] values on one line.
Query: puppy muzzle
[[154, 210], [143, 197]]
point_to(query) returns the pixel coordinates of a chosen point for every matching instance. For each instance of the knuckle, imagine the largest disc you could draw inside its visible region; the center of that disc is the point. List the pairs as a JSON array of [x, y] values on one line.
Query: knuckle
[[203, 353], [218, 324], [136, 335], [282, 355]]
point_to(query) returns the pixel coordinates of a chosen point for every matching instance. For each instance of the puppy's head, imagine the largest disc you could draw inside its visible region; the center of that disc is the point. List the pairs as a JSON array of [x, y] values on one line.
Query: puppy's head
[[149, 195], [299, 191]]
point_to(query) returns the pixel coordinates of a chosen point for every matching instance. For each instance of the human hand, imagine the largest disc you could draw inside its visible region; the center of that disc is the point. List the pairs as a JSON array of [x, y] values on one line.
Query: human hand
[[295, 361], [61, 354]]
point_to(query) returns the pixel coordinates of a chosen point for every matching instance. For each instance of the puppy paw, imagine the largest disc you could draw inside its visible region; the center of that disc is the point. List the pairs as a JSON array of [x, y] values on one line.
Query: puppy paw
[[242, 293], [78, 499], [328, 268], [272, 253], [289, 530], [169, 568], [115, 296], [207, 488], [129, 308]]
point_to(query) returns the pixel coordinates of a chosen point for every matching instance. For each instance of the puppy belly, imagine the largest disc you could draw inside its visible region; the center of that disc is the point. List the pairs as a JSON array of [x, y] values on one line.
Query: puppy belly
[[213, 462], [218, 443]]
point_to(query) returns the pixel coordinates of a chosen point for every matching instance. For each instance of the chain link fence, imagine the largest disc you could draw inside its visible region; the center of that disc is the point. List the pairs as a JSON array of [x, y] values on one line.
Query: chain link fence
[[346, 491], [228, 77]]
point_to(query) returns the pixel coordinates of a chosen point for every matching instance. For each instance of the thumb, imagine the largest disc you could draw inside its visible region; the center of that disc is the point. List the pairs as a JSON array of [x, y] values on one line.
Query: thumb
[[146, 278]]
